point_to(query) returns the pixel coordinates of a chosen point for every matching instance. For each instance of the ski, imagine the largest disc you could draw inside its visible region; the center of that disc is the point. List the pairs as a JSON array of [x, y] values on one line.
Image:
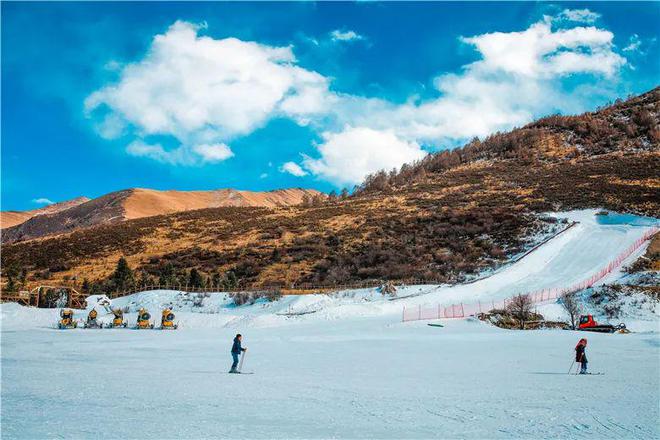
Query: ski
[[435, 325]]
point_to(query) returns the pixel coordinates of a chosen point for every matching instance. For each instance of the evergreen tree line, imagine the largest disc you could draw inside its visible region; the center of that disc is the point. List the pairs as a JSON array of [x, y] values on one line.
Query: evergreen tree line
[[124, 279], [16, 278]]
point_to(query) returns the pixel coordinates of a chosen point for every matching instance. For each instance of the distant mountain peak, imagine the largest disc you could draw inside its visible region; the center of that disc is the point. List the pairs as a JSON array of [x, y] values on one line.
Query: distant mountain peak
[[136, 203]]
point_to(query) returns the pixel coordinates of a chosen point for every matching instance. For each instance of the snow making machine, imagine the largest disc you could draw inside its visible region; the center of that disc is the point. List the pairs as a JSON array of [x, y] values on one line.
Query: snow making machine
[[167, 320], [92, 322], [143, 320], [118, 320], [66, 319], [589, 324]]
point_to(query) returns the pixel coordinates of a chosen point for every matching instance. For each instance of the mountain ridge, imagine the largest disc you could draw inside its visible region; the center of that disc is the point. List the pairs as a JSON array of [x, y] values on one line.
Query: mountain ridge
[[13, 218], [134, 203]]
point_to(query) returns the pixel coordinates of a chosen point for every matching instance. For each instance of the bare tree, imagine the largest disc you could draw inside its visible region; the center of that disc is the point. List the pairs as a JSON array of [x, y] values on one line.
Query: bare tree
[[388, 289], [571, 304], [521, 307]]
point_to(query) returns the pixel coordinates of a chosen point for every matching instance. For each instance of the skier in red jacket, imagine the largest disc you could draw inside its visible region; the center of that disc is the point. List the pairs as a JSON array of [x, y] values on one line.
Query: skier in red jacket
[[581, 356]]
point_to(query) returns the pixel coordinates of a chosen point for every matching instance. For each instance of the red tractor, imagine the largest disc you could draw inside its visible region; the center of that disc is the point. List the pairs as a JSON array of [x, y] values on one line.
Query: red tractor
[[588, 324]]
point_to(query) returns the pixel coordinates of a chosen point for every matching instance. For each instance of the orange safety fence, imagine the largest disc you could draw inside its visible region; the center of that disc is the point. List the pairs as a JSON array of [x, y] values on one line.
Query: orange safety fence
[[425, 312]]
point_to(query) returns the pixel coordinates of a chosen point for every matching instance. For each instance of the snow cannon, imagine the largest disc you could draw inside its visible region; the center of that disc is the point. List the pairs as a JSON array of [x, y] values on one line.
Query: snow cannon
[[167, 320], [588, 324], [143, 320], [66, 319], [118, 320], [91, 320]]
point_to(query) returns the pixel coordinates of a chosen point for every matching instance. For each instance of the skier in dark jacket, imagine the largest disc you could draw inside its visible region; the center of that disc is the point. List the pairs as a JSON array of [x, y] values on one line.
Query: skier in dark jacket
[[236, 351], [581, 356]]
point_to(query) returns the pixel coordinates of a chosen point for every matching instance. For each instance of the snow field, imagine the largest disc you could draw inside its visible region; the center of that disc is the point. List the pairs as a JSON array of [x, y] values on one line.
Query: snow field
[[366, 378], [349, 370]]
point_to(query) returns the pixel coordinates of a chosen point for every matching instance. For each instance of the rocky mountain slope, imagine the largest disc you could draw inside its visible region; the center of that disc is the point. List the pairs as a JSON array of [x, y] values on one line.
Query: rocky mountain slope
[[138, 203], [449, 216], [13, 218]]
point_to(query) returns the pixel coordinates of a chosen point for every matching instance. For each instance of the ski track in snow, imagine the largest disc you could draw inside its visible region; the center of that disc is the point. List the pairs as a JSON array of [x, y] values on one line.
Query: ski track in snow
[[350, 370]]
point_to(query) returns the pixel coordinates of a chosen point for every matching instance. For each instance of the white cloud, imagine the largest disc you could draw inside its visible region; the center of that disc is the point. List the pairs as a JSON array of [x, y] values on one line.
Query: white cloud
[[634, 43], [518, 77], [347, 157], [213, 152], [293, 169], [579, 15], [204, 91], [263, 175], [157, 152], [540, 51], [339, 35], [42, 201]]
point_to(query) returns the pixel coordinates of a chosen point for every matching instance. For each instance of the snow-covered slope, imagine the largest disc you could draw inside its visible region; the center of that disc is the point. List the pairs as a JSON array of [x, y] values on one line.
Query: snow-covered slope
[[349, 370], [570, 257]]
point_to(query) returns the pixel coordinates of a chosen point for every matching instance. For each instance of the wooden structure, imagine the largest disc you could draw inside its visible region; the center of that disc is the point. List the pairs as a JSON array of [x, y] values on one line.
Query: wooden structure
[[37, 297]]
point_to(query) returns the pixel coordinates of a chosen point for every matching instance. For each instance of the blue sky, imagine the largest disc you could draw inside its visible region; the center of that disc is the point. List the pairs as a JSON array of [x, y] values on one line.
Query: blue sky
[[98, 97]]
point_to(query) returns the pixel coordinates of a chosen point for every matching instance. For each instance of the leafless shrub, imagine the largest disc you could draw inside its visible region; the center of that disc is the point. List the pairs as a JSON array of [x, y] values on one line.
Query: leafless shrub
[[612, 310], [572, 306], [242, 298], [198, 300], [273, 295], [521, 308], [388, 289]]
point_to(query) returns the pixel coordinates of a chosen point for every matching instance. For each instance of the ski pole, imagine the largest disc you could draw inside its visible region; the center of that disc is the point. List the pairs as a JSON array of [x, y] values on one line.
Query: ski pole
[[240, 366], [569, 370]]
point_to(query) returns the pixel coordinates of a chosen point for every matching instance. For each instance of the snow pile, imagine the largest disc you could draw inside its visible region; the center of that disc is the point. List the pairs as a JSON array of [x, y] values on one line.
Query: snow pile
[[17, 317]]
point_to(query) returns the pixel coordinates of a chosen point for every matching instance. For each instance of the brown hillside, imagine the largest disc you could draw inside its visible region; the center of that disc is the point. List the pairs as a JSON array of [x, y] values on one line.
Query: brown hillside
[[147, 202], [13, 218], [450, 215], [137, 203]]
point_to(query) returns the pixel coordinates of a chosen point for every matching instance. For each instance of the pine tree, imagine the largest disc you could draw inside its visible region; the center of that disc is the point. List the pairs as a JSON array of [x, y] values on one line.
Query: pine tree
[[276, 255], [231, 282], [11, 272], [167, 277], [216, 280], [123, 275], [11, 285], [195, 279], [22, 278]]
